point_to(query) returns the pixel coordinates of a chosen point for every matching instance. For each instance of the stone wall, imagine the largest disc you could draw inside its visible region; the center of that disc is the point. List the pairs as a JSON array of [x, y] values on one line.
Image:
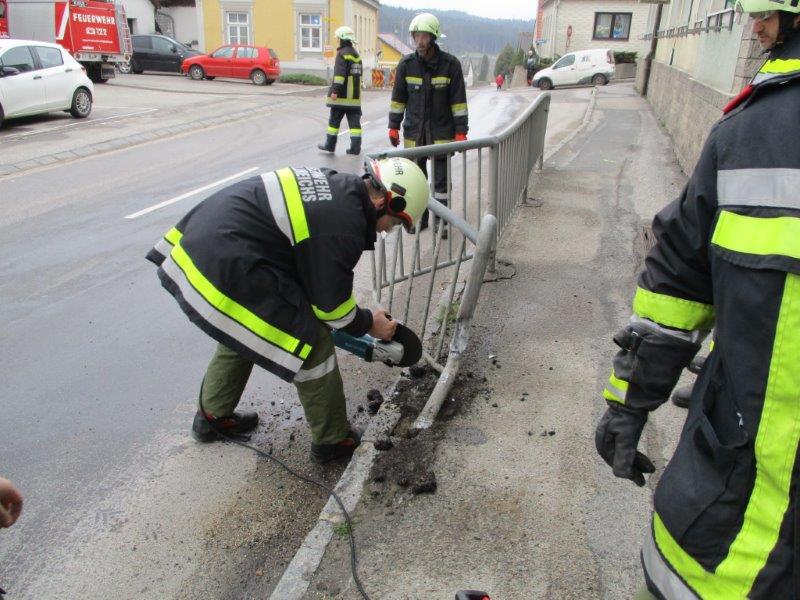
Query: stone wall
[[686, 108]]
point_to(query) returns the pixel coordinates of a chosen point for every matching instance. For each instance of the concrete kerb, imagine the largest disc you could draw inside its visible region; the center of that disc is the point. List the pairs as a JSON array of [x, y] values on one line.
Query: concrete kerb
[[134, 139], [315, 90], [587, 117], [295, 580]]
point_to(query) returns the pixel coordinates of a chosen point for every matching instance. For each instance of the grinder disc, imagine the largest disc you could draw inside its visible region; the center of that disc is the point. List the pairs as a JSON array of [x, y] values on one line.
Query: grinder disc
[[412, 347]]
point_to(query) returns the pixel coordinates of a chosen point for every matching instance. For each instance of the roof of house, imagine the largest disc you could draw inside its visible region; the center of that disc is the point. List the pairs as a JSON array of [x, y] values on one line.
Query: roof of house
[[393, 41]]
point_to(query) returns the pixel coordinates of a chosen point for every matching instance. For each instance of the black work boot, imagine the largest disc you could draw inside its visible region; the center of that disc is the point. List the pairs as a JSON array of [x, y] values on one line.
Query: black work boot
[[325, 453], [205, 430], [681, 396], [355, 146], [329, 145]]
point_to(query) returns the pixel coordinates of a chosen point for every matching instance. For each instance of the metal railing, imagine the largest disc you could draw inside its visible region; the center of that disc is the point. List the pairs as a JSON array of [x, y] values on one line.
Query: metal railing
[[410, 271]]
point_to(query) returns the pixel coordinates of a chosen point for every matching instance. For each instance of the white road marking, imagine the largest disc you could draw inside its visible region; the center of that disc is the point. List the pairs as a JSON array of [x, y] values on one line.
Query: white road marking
[[76, 123], [189, 194], [362, 126]]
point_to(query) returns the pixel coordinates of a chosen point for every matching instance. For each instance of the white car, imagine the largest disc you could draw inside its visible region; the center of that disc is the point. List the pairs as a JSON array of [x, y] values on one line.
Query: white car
[[38, 77], [582, 67]]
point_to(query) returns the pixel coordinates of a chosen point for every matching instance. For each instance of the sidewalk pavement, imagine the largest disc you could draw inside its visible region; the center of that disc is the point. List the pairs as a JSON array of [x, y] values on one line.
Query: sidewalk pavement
[[523, 507]]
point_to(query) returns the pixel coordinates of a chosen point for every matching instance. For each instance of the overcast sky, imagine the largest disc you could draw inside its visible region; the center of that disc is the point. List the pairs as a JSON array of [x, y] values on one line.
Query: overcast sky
[[496, 9]]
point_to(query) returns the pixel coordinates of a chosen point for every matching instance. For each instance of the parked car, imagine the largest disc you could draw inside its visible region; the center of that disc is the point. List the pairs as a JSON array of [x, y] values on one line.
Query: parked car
[[259, 64], [37, 77], [157, 53], [581, 67]]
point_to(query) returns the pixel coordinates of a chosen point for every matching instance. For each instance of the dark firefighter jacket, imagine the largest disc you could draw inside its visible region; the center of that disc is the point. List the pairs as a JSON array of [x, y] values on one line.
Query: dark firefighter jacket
[[728, 256], [346, 84], [433, 98], [259, 263]]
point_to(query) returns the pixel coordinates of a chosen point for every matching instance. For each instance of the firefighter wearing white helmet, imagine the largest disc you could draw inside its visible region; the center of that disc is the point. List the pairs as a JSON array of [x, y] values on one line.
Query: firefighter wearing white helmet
[[265, 267], [429, 100], [726, 519], [344, 95]]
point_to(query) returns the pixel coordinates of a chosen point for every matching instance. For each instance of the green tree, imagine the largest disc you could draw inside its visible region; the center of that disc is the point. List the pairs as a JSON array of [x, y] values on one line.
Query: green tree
[[504, 60], [483, 72]]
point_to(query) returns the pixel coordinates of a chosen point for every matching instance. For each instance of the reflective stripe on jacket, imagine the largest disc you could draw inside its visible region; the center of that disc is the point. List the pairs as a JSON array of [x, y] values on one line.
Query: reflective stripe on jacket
[[429, 95], [259, 263], [728, 256], [347, 72]]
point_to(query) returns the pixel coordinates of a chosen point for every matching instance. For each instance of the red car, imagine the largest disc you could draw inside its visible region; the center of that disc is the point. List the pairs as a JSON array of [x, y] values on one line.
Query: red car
[[259, 65]]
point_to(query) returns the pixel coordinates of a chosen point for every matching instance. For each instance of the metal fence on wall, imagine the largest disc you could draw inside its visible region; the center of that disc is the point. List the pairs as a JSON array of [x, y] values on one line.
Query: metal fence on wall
[[420, 278]]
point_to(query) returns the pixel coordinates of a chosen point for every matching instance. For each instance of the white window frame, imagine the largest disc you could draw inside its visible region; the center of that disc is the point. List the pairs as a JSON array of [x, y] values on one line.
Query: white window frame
[[312, 28], [242, 26]]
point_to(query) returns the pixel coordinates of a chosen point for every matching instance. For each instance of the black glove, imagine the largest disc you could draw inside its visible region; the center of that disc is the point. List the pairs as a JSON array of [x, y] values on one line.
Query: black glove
[[616, 439]]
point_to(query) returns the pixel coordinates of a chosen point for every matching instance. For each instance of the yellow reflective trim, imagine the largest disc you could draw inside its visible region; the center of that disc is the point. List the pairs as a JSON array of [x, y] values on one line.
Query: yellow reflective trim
[[780, 66], [440, 80], [356, 59], [775, 448], [230, 307], [763, 236], [337, 313], [671, 311], [616, 390], [345, 101], [338, 79], [333, 130], [294, 204], [397, 106], [415, 80], [442, 141], [355, 132], [173, 236], [305, 351], [409, 143]]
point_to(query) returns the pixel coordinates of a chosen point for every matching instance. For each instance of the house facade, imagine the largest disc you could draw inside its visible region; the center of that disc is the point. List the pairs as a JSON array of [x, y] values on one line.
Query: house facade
[[704, 56], [391, 49], [569, 25], [177, 19], [297, 30]]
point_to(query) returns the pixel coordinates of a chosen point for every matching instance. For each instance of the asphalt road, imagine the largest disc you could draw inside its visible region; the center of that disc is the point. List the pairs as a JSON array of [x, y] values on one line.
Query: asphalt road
[[101, 369]]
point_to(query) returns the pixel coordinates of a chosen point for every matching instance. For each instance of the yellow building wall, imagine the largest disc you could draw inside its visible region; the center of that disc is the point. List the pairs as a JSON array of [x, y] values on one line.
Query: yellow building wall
[[389, 55], [365, 24], [335, 20], [212, 25], [274, 26]]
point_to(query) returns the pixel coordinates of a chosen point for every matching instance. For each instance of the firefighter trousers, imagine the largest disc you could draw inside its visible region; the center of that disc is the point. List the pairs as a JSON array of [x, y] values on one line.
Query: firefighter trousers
[[439, 181], [353, 122], [319, 386]]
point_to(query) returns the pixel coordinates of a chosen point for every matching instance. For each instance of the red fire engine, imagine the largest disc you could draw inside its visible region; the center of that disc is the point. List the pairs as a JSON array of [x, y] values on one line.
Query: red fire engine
[[95, 32]]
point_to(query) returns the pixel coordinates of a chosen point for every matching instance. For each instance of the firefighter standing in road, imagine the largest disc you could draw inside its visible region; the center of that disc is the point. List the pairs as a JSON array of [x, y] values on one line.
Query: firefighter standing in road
[[726, 520], [429, 90], [344, 97], [265, 267]]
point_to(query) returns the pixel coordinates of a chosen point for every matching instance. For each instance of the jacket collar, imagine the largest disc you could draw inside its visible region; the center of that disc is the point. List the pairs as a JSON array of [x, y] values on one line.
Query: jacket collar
[[371, 215], [433, 61], [783, 62]]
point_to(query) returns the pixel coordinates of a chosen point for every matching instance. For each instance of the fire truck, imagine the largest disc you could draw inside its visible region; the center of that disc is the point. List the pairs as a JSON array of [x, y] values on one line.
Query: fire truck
[[95, 32]]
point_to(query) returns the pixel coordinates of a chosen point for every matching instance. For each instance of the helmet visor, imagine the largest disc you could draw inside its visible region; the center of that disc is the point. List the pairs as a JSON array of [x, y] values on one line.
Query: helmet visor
[[759, 15]]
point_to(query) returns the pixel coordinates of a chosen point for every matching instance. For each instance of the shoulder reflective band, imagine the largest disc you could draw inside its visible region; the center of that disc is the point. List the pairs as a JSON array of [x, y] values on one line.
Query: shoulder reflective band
[[227, 305], [294, 204], [762, 236], [459, 110], [339, 317], [775, 450], [777, 188], [415, 80], [615, 389], [671, 311], [277, 204], [781, 66], [352, 58]]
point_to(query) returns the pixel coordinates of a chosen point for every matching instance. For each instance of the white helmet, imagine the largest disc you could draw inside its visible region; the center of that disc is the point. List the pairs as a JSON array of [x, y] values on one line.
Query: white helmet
[[345, 33], [404, 184]]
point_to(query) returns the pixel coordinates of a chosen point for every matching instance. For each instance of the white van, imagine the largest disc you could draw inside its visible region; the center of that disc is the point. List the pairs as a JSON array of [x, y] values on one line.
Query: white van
[[582, 67]]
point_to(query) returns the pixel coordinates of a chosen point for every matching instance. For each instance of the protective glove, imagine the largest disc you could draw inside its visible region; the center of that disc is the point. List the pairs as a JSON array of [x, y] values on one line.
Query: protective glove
[[461, 137], [394, 137], [616, 439]]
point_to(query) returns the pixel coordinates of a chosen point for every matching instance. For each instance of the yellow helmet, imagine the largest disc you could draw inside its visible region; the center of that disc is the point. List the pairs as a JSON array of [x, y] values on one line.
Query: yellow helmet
[[426, 22], [404, 184], [345, 33]]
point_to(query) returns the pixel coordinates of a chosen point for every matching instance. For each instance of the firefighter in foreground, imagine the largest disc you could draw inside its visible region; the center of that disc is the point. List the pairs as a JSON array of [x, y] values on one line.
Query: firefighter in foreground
[[344, 96], [265, 267], [725, 523], [429, 91]]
